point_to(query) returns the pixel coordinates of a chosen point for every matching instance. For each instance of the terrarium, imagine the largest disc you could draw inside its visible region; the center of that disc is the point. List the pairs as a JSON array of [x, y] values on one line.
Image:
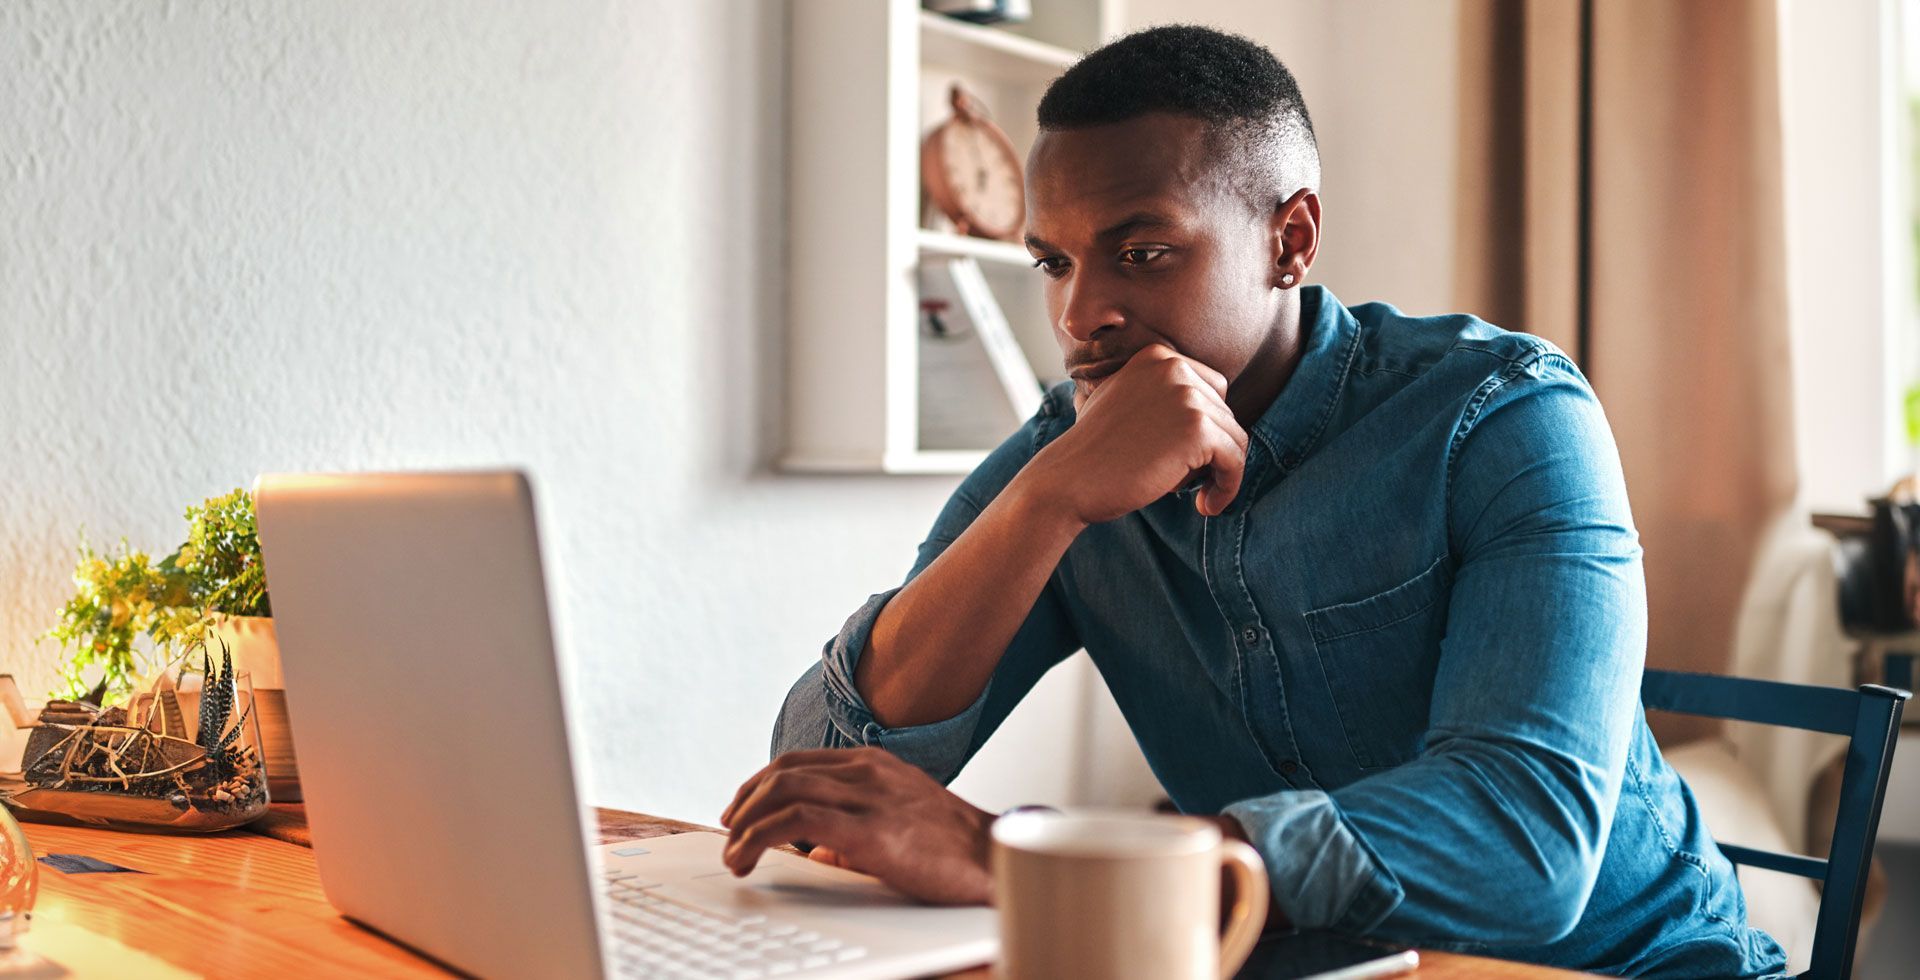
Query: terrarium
[[143, 765], [19, 883]]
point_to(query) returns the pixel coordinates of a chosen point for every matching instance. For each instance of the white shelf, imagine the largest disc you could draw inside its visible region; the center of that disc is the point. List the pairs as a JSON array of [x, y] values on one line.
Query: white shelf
[[946, 243], [867, 78], [935, 462], [985, 50]]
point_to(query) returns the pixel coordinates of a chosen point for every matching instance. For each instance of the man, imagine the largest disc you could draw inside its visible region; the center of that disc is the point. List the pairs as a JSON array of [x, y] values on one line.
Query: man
[[1365, 586]]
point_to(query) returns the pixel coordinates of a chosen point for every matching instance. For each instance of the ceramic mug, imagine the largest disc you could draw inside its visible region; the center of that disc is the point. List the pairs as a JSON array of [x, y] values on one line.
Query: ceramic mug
[[1122, 895]]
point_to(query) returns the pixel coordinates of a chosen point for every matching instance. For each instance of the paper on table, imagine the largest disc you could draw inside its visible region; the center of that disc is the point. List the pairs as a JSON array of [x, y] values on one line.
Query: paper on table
[[76, 864]]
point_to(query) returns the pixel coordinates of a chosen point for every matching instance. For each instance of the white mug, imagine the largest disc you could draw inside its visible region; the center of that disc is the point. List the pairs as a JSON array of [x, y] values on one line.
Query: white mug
[[1122, 895]]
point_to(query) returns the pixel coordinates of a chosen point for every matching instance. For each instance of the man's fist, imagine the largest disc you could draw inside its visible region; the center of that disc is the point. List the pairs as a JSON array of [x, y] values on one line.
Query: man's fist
[[1143, 432]]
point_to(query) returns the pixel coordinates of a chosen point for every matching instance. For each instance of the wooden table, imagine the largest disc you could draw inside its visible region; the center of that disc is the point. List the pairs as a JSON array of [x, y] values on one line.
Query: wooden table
[[245, 904]]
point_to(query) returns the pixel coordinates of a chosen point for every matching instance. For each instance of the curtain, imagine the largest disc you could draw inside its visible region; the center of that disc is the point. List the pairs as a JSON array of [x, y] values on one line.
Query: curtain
[[1621, 194]]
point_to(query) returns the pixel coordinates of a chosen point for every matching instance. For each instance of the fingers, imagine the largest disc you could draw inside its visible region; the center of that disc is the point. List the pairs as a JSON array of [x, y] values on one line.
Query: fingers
[[811, 821], [1226, 442], [1223, 441], [1153, 352], [1228, 465], [800, 795], [1221, 416], [790, 760], [782, 789], [1213, 379], [1223, 444], [1173, 359], [827, 855]]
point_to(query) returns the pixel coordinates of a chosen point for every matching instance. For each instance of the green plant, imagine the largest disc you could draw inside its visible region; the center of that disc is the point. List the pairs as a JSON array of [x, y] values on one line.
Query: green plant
[[216, 709], [119, 598], [1913, 416], [221, 558]]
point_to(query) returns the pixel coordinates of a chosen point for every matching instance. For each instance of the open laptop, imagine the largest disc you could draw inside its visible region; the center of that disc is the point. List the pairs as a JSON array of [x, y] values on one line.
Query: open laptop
[[427, 699]]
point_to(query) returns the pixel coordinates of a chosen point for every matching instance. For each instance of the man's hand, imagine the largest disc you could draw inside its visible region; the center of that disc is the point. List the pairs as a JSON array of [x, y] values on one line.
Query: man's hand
[[1142, 433], [866, 810]]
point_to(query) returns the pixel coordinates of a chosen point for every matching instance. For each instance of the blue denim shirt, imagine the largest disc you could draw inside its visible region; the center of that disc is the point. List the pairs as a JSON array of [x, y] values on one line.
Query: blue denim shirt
[[1406, 659]]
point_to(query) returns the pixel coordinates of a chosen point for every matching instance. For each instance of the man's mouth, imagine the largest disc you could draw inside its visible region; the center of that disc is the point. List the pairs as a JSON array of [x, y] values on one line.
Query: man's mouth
[[1087, 374]]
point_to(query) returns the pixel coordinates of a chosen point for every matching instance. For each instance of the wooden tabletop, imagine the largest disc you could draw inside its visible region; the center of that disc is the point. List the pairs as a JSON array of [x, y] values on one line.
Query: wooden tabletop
[[244, 904]]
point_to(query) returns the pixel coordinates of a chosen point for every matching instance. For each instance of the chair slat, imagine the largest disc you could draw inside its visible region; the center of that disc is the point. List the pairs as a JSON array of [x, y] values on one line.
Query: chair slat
[[1870, 717], [1793, 864], [1816, 709], [1863, 789]]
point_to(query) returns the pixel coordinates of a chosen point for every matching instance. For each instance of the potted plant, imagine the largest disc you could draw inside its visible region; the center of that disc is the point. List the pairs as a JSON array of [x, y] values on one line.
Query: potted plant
[[117, 599], [212, 588]]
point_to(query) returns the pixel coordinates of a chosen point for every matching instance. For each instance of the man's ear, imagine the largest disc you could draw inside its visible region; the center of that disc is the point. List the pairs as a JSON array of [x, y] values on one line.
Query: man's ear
[[1294, 237]]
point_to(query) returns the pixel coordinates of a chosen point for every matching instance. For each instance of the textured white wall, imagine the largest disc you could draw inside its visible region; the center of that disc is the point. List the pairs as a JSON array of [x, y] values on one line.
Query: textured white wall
[[246, 236], [274, 234]]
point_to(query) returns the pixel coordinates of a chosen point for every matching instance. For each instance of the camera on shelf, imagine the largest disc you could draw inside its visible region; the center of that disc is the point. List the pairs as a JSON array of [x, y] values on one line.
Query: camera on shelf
[[1877, 562]]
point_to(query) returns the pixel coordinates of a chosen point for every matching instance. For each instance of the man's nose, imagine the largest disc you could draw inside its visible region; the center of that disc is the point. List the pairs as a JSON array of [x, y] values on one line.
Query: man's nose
[[1090, 309]]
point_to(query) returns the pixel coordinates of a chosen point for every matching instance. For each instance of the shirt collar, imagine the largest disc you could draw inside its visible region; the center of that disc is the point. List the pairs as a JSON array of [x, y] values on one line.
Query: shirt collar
[[1330, 337]]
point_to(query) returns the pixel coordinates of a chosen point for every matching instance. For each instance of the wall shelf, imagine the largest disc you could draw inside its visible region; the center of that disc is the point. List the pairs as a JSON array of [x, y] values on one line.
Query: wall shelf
[[868, 79], [990, 51], [914, 462], [948, 244]]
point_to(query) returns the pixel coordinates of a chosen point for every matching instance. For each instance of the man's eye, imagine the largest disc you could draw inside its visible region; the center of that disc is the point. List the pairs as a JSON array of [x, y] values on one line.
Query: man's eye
[[1141, 256], [1051, 265]]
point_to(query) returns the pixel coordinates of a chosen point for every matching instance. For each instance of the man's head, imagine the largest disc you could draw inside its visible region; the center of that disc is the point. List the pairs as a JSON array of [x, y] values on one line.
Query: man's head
[[1172, 198]]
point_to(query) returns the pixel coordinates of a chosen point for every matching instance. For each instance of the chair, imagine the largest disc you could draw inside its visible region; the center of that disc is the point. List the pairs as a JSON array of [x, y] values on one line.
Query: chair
[[1870, 717]]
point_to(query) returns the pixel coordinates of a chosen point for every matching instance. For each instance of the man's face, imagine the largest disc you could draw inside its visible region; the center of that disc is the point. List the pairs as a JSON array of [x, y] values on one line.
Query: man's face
[[1143, 241]]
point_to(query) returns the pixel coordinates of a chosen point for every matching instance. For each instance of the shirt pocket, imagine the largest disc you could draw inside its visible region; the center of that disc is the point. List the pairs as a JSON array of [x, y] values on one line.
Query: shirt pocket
[[1379, 655]]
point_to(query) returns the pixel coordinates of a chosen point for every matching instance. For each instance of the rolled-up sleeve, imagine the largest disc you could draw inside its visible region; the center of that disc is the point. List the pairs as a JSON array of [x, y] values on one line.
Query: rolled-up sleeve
[[1535, 698], [825, 710]]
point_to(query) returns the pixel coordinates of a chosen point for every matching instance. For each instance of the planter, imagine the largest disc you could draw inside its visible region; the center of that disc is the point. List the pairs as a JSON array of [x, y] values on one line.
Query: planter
[[144, 766], [256, 651]]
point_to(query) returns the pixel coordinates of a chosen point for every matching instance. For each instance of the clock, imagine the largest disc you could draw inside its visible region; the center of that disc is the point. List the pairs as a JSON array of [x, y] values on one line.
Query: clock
[[970, 170]]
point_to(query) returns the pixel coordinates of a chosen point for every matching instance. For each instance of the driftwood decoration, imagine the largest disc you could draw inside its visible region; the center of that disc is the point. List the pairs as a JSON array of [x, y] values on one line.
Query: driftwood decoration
[[138, 766]]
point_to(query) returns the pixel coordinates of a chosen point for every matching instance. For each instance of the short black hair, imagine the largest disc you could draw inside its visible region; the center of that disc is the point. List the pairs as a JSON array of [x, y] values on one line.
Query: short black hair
[[1249, 100]]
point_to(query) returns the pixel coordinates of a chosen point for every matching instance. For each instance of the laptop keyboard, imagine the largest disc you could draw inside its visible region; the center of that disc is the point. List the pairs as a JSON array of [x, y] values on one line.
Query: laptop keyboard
[[659, 937]]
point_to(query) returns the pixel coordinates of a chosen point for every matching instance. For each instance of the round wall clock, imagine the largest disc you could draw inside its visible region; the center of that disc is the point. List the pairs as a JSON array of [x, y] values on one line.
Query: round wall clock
[[970, 170]]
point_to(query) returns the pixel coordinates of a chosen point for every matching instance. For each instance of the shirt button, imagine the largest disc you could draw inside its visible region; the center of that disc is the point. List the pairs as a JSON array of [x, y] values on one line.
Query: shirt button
[[1250, 635], [1289, 767]]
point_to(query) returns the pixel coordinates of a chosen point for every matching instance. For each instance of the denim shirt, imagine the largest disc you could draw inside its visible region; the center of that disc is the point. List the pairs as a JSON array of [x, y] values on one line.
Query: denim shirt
[[1406, 658]]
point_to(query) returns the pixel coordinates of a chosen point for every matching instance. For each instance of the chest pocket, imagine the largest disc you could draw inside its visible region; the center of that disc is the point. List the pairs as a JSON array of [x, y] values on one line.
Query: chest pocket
[[1379, 655]]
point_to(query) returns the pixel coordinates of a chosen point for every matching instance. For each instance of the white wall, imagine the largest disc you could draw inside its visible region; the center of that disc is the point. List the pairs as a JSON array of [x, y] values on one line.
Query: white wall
[[1847, 248], [272, 234], [262, 235]]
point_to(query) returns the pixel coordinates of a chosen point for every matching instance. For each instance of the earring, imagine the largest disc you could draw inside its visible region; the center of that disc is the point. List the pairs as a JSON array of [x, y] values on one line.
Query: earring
[[1286, 281]]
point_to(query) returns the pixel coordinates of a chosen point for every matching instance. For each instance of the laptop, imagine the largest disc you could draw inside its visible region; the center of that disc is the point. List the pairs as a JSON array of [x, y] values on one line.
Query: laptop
[[427, 698]]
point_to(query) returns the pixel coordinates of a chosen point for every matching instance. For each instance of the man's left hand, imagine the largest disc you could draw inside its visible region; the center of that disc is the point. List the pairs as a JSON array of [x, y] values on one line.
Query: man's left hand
[[866, 810]]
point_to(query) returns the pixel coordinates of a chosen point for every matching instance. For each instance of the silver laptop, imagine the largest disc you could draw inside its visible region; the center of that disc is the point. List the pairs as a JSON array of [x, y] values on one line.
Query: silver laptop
[[428, 703]]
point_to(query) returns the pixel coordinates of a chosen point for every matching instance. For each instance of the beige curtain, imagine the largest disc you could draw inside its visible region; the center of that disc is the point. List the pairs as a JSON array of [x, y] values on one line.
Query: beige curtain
[[1621, 194]]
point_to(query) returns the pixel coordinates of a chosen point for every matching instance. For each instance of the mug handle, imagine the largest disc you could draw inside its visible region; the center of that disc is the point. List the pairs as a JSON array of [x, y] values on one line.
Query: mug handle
[[1248, 917]]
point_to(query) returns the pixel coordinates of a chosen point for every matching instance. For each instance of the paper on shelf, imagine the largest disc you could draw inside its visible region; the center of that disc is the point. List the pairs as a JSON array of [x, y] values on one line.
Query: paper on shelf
[[976, 386]]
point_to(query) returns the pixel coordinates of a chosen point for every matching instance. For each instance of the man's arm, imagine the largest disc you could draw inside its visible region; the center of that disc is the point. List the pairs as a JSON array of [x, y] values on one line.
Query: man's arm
[[928, 656], [912, 672], [930, 653], [826, 707], [1533, 709]]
